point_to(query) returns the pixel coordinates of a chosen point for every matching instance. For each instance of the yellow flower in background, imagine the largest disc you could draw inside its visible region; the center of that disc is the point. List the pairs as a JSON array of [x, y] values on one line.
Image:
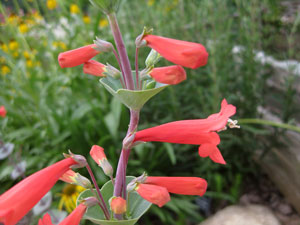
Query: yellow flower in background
[[69, 196], [4, 47], [63, 45], [59, 44], [23, 28], [2, 59], [15, 54], [13, 19], [26, 54], [150, 2], [13, 45], [74, 9], [29, 63], [86, 19], [103, 23], [51, 4], [5, 70], [37, 16]]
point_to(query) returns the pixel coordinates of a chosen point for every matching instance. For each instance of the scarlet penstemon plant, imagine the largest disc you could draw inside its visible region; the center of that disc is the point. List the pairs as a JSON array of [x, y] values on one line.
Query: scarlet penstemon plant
[[124, 199]]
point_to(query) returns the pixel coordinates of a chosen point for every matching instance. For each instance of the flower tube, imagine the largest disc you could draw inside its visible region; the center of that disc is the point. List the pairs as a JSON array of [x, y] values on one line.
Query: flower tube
[[168, 74], [153, 193], [94, 68], [99, 157], [195, 132], [184, 53], [77, 56], [180, 185], [17, 201]]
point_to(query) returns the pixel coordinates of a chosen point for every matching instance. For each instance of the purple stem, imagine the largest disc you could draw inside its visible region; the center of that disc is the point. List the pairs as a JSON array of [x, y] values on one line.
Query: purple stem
[[137, 68], [120, 181], [122, 50], [99, 203], [98, 191]]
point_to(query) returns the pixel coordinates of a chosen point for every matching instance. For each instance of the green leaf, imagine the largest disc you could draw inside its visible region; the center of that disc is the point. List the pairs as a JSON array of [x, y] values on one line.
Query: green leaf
[[133, 99], [137, 206], [171, 153], [112, 119]]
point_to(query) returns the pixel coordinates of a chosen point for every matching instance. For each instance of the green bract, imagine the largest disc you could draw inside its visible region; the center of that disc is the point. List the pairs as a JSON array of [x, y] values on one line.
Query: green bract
[[133, 99], [137, 206]]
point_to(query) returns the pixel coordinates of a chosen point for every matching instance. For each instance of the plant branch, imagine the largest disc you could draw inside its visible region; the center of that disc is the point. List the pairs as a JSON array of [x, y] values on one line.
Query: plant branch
[[124, 60], [98, 191]]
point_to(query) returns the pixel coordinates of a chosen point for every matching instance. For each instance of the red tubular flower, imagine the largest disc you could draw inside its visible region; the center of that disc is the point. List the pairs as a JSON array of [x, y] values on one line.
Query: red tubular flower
[[94, 68], [180, 185], [118, 205], [196, 132], [99, 157], [77, 56], [73, 219], [188, 54], [169, 74], [153, 193], [2, 111], [17, 201]]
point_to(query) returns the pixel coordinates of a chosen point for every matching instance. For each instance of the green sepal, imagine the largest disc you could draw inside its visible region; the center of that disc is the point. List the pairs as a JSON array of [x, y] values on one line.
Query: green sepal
[[133, 99], [137, 206]]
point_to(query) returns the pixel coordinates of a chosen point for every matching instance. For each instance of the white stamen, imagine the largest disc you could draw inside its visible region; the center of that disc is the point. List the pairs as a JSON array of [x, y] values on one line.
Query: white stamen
[[233, 123]]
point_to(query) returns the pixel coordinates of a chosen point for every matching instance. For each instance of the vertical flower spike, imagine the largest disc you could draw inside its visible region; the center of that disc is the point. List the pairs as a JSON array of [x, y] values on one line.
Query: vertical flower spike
[[180, 185], [94, 68], [76, 178], [99, 157], [77, 56], [17, 201], [2, 111], [153, 193], [187, 54], [169, 74], [118, 205]]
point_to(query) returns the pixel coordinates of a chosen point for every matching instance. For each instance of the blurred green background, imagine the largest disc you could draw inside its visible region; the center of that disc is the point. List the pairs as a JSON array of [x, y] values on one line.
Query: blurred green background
[[51, 110]]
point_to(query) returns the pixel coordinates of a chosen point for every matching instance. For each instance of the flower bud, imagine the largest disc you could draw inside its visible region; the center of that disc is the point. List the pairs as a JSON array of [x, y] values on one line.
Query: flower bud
[[103, 46], [81, 161], [107, 6], [99, 157], [118, 205], [112, 72], [152, 58], [90, 201], [76, 178], [94, 68]]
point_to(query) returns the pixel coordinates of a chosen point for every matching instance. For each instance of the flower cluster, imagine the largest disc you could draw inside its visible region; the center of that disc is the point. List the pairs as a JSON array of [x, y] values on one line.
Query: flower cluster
[[132, 90]]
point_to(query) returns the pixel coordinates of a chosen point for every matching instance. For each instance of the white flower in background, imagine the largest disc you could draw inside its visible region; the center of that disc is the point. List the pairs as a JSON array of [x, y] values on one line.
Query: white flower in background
[[43, 204], [6, 150], [18, 170]]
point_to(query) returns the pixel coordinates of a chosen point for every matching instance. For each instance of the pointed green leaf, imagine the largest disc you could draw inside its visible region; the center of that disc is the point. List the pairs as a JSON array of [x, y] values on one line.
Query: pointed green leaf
[[137, 206], [133, 99]]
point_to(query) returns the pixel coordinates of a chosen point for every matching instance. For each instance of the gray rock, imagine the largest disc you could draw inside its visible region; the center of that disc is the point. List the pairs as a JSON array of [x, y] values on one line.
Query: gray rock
[[243, 215]]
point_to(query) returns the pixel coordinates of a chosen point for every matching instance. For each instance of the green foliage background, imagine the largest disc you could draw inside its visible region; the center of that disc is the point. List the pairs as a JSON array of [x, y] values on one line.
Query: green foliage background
[[51, 110]]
